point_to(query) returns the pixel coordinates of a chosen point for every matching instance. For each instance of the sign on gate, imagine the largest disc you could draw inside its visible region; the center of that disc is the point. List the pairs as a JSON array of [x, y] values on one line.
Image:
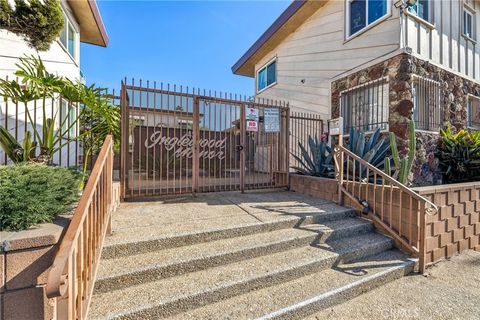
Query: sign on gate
[[271, 119], [252, 126]]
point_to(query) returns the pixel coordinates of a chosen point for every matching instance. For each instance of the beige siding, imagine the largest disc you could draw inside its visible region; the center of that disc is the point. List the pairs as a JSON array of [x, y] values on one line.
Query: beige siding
[[57, 60], [318, 52], [444, 43]]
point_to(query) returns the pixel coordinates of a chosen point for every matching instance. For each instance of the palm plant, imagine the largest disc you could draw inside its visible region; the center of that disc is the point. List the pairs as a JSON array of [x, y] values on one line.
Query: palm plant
[[37, 84], [318, 161]]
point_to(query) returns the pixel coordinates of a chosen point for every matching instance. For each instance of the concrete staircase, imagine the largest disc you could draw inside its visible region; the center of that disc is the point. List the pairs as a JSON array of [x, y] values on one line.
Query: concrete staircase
[[284, 268]]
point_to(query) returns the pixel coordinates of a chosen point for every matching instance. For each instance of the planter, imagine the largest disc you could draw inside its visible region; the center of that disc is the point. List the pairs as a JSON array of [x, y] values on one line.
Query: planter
[[456, 226], [25, 259], [318, 187]]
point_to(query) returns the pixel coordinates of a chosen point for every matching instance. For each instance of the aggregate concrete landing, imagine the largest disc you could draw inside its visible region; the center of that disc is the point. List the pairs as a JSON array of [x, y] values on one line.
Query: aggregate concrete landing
[[139, 221]]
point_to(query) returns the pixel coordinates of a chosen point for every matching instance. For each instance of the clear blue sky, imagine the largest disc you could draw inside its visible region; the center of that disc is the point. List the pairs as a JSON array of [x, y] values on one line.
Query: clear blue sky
[[192, 43]]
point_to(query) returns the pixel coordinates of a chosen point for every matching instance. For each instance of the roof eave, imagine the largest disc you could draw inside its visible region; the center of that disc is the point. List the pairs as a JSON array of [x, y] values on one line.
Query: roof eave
[[290, 19], [92, 29]]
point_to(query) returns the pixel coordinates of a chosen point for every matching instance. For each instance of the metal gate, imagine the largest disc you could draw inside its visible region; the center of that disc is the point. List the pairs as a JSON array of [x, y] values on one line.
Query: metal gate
[[176, 140]]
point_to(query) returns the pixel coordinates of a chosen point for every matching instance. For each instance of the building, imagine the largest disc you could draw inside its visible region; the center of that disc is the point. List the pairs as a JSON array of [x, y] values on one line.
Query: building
[[376, 63], [83, 23]]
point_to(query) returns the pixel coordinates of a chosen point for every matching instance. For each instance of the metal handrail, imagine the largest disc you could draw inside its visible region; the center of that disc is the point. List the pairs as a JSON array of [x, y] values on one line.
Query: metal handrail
[[392, 181], [72, 276], [361, 188]]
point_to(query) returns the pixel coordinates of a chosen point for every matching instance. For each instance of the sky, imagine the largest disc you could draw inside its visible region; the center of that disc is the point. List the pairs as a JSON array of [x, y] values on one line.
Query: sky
[[189, 43]]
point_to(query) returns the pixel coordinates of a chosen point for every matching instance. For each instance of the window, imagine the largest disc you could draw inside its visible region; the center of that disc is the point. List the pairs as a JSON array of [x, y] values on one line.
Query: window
[[468, 23], [473, 112], [68, 117], [421, 9], [69, 38], [267, 76], [361, 13], [366, 107], [427, 104]]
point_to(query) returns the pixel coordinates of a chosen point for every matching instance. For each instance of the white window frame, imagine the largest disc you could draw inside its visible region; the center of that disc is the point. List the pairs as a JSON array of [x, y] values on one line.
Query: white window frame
[[430, 12], [472, 13], [469, 101], [64, 105], [68, 23], [273, 60], [348, 36]]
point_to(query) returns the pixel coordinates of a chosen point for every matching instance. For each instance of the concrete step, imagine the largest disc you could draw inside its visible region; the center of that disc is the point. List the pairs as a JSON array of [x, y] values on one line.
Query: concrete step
[[173, 295], [132, 270], [137, 240], [301, 297]]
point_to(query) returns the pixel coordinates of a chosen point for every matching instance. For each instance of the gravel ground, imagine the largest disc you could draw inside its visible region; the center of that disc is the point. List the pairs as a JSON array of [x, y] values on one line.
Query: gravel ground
[[449, 290]]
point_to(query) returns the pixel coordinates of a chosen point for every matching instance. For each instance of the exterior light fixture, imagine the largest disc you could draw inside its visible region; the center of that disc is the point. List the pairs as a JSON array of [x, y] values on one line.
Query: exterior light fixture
[[398, 4]]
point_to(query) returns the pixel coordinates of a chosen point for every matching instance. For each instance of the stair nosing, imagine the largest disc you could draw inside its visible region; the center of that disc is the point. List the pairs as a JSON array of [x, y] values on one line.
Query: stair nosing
[[245, 284], [221, 233], [232, 256]]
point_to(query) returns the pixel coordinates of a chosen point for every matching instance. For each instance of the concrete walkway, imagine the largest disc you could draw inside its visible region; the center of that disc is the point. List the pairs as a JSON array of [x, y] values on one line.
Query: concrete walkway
[[449, 290], [187, 214]]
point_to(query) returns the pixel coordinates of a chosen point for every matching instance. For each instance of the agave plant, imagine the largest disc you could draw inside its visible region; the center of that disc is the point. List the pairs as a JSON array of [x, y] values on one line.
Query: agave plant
[[373, 150], [15, 151], [318, 161], [459, 155]]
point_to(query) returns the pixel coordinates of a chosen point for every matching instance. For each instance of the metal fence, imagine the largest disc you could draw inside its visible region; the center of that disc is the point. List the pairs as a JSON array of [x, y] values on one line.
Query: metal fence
[[303, 126], [18, 118], [178, 139]]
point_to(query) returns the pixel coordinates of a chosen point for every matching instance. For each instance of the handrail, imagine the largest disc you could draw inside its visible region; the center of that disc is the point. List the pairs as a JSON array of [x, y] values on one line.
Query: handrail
[[72, 275], [377, 200], [391, 180]]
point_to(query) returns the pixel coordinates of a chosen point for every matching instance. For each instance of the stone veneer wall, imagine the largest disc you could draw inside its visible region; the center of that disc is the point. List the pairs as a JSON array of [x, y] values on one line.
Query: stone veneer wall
[[399, 71], [25, 259]]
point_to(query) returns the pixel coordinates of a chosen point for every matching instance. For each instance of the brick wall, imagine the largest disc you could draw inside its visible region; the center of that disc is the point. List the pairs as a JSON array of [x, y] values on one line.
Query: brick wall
[[318, 187], [456, 226]]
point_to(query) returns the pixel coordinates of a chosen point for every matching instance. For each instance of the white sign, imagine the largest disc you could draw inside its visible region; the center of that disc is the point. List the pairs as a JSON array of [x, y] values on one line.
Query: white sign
[[252, 126], [335, 126], [251, 114], [271, 120]]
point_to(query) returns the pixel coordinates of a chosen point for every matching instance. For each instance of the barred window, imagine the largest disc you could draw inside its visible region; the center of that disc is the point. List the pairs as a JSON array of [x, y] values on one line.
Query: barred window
[[473, 112], [427, 104], [366, 107]]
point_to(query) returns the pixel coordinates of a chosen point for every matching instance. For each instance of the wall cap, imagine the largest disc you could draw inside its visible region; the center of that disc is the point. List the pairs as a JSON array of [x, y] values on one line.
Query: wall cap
[[45, 234]]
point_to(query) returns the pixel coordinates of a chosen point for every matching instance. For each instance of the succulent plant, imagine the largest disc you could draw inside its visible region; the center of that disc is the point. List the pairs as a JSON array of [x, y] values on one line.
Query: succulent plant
[[318, 161], [373, 149], [402, 166]]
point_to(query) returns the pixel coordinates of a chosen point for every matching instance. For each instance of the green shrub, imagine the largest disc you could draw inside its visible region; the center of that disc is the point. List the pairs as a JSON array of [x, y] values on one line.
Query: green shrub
[[32, 194], [459, 155]]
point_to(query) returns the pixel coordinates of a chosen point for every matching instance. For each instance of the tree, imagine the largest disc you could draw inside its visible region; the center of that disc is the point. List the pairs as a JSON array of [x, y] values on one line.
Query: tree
[[39, 23]]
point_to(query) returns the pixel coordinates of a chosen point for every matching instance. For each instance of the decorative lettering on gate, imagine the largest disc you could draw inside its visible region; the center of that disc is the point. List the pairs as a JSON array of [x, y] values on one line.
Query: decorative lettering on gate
[[183, 145]]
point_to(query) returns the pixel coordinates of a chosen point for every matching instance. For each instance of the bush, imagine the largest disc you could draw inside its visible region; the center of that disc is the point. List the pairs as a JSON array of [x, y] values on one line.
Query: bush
[[32, 194], [459, 155]]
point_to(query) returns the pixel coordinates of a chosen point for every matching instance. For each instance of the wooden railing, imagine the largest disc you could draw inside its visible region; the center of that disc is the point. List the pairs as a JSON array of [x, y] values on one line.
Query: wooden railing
[[394, 208], [72, 276]]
